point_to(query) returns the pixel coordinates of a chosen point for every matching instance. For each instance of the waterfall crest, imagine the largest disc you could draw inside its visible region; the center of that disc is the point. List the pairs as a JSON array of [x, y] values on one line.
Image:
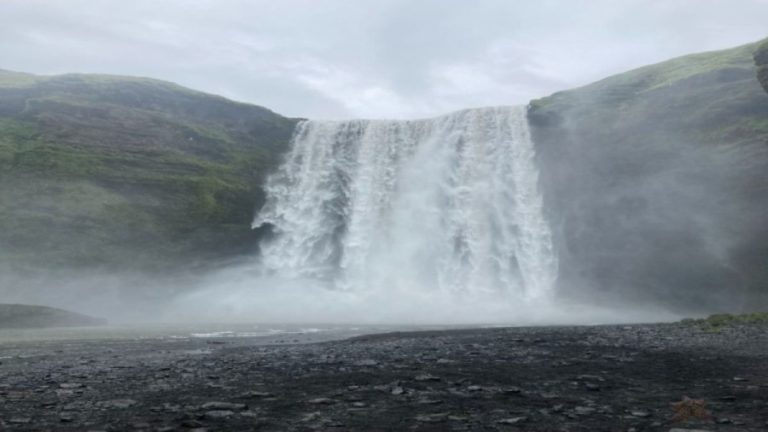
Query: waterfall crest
[[449, 204]]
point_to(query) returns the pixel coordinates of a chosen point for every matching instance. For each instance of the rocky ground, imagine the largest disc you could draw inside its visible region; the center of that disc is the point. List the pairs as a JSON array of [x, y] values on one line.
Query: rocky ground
[[604, 378]]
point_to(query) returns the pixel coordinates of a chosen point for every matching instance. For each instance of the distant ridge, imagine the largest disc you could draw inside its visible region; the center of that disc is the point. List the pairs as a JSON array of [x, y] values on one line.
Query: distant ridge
[[19, 316]]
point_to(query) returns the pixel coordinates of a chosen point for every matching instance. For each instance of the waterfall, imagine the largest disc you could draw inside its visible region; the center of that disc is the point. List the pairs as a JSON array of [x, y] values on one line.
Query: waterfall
[[449, 204]]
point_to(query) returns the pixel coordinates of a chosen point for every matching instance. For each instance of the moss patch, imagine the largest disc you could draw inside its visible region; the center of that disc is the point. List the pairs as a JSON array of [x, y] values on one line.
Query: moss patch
[[717, 322]]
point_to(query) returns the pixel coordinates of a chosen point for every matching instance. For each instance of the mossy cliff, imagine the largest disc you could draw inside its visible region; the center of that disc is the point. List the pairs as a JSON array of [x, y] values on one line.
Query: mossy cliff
[[655, 181], [109, 171]]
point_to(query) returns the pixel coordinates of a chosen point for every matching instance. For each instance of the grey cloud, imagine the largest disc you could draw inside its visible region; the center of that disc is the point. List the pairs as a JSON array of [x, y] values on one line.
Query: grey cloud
[[348, 58]]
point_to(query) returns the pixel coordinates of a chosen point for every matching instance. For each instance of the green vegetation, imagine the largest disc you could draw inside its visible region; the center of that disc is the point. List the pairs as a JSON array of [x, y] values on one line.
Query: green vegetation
[[16, 316], [667, 163], [672, 71], [761, 61], [10, 79], [109, 171], [717, 322], [699, 93]]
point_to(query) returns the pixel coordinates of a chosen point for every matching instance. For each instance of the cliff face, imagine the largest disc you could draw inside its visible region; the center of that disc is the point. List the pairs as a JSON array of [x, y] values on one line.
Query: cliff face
[[655, 181], [106, 171]]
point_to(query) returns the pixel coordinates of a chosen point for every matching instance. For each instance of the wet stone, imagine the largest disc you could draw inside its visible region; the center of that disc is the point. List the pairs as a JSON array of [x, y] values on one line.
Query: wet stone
[[581, 410], [116, 403], [688, 430], [512, 390], [426, 377], [257, 395], [218, 414], [477, 393], [432, 418], [223, 406], [19, 420], [512, 420]]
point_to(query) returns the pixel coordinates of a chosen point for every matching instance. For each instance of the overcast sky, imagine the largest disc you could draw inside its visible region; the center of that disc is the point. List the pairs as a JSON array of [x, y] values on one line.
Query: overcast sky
[[368, 58]]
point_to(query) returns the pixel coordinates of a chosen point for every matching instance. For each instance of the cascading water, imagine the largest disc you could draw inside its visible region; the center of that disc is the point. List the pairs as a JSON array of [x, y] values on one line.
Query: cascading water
[[449, 204]]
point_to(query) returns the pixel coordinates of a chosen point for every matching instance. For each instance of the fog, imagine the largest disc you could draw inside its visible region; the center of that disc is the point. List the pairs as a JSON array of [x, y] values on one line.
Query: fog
[[607, 215], [346, 59], [654, 202], [431, 222], [242, 295], [235, 294], [410, 222]]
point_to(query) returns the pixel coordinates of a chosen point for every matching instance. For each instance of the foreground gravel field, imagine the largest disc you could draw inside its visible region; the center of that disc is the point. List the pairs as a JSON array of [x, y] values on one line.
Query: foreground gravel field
[[602, 378]]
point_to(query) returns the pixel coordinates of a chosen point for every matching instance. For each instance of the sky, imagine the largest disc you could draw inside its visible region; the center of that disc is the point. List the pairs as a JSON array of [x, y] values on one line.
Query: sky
[[337, 59]]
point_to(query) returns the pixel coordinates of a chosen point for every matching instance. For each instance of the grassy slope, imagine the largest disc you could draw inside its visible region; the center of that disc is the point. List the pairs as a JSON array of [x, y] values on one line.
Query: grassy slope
[[761, 61], [657, 178], [716, 79], [115, 171], [17, 316]]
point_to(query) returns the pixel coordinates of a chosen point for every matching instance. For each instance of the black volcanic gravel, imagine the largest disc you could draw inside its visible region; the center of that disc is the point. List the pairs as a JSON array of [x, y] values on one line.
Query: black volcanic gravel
[[603, 378]]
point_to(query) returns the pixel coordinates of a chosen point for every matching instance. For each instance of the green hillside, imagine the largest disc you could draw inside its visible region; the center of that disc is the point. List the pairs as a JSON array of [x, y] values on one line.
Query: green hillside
[[655, 180], [761, 61], [110, 171]]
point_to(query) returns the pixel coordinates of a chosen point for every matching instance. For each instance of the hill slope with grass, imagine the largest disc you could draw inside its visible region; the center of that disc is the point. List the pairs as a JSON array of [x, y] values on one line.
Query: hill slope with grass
[[655, 180], [106, 171], [17, 316]]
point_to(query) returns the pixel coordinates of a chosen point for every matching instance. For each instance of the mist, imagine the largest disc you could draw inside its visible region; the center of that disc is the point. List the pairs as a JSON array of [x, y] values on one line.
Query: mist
[[341, 59], [383, 215], [431, 222], [648, 204], [241, 294]]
